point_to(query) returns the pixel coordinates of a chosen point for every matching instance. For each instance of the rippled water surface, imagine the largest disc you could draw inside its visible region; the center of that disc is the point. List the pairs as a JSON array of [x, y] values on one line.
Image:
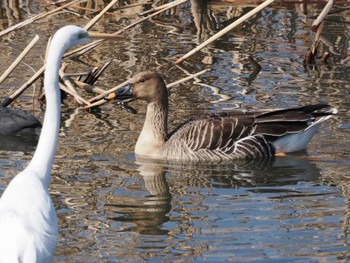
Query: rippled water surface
[[114, 208]]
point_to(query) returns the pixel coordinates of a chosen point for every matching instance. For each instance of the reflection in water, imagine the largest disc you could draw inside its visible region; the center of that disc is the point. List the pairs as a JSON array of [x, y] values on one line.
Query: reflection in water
[[11, 10], [25, 143], [203, 19], [148, 213], [277, 171], [210, 211]]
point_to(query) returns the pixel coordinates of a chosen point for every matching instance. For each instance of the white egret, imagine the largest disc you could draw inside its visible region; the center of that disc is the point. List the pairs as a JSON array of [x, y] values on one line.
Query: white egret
[[28, 221]]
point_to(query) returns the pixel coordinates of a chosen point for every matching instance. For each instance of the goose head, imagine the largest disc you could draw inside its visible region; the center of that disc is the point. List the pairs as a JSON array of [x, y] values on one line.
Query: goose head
[[147, 86]]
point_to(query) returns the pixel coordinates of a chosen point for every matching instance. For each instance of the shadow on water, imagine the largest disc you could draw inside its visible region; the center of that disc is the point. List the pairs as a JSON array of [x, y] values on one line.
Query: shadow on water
[[25, 143]]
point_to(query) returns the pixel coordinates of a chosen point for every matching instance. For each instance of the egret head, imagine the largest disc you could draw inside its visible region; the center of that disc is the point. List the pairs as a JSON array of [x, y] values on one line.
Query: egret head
[[71, 35]]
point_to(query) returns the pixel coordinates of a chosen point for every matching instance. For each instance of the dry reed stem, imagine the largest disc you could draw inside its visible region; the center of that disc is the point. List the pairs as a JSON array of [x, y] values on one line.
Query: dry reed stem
[[322, 15], [325, 57], [155, 9], [93, 76], [317, 39], [19, 59], [89, 88], [94, 11], [102, 95], [59, 2], [127, 81], [98, 17], [29, 82], [226, 29], [311, 53], [246, 2], [170, 85], [19, 91], [70, 86], [95, 104], [75, 95], [99, 100], [37, 17], [81, 8], [85, 48]]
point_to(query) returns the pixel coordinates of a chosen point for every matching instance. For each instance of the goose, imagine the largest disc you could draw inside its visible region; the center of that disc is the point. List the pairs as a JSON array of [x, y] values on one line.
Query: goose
[[28, 221], [17, 122], [220, 136]]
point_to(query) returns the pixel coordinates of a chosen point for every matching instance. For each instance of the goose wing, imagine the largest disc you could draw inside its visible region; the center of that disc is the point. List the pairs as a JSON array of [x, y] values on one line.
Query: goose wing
[[221, 136], [275, 124], [245, 134]]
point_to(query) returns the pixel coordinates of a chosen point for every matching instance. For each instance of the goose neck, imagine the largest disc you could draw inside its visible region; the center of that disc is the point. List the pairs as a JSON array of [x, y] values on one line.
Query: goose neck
[[157, 120]]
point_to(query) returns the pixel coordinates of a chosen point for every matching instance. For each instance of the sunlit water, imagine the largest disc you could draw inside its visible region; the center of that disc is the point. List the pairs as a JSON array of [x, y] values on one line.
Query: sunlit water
[[113, 208]]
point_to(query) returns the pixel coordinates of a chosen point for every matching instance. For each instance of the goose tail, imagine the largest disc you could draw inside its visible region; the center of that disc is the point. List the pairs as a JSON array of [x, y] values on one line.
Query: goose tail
[[298, 141], [326, 115]]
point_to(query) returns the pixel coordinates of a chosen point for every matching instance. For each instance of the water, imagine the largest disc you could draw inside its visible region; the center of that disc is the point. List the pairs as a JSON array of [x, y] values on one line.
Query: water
[[113, 208]]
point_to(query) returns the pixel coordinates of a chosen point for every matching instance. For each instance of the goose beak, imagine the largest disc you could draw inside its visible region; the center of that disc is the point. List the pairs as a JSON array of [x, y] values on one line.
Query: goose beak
[[97, 35], [122, 94]]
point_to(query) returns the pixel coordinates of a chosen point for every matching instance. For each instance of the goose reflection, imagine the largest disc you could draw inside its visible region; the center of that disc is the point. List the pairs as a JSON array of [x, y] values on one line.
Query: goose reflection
[[147, 213], [275, 171]]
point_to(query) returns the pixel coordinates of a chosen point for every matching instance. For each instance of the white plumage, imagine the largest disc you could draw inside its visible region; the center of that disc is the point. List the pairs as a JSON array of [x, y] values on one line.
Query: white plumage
[[28, 221]]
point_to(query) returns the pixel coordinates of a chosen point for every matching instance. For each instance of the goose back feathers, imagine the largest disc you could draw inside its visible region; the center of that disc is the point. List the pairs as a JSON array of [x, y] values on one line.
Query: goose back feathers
[[222, 136]]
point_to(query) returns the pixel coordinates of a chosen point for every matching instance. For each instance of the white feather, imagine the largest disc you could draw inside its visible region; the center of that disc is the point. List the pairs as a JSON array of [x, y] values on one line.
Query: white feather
[[28, 221], [298, 141]]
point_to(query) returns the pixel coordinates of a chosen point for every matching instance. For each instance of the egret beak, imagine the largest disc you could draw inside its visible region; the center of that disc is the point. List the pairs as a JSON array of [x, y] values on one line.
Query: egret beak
[[97, 35]]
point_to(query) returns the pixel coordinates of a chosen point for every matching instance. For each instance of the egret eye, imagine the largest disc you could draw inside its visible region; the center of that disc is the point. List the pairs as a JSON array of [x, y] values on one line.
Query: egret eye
[[82, 35]]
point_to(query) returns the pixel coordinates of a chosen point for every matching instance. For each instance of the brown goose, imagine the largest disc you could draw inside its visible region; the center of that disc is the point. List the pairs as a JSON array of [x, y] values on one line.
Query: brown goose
[[222, 136]]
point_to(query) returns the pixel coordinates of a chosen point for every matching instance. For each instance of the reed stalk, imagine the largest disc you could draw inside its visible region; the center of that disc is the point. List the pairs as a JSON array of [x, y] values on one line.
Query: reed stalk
[[19, 59], [99, 100], [8, 100], [225, 30], [322, 15], [170, 85], [98, 17], [37, 17], [85, 48], [70, 86]]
